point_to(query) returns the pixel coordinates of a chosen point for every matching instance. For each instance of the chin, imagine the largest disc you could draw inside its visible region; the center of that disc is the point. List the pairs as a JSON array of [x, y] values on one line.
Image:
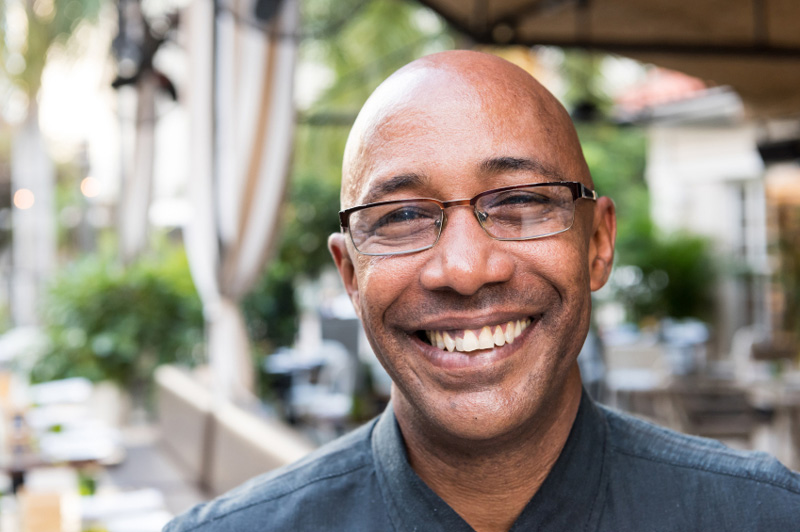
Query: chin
[[477, 416], [507, 410]]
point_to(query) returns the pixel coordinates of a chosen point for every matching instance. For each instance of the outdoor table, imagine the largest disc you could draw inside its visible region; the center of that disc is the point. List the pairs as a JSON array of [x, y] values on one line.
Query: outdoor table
[[59, 450]]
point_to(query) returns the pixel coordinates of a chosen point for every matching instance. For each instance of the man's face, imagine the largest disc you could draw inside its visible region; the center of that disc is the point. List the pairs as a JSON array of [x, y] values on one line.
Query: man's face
[[449, 141]]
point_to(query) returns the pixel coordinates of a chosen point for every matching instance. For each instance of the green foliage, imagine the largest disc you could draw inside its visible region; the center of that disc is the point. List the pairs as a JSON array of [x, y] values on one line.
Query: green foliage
[[48, 22], [5, 318], [397, 32], [616, 158], [109, 322], [583, 74], [270, 310], [668, 277], [311, 214]]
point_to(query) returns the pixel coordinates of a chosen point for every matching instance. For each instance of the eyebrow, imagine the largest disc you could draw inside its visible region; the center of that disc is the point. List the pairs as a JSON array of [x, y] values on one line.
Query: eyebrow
[[491, 166], [393, 184], [498, 165]]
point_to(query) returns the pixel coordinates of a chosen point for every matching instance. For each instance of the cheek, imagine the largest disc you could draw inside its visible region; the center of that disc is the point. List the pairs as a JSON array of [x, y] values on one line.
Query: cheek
[[382, 281], [567, 270], [561, 262]]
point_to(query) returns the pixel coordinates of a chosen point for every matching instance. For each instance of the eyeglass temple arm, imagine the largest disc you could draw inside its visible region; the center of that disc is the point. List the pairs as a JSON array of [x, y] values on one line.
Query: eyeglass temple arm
[[582, 191]]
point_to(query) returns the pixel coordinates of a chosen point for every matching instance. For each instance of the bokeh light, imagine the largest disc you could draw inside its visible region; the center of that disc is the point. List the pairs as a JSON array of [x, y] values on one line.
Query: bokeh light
[[90, 187], [24, 199]]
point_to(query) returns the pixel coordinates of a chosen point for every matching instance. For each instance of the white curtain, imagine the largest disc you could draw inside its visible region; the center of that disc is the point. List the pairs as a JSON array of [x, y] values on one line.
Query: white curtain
[[242, 121]]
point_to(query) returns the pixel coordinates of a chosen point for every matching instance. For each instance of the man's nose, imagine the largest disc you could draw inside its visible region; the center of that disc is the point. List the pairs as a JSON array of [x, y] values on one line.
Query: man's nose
[[465, 258]]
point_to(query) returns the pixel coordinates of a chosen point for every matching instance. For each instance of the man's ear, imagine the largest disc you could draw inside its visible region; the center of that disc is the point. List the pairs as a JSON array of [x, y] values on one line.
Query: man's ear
[[337, 244], [601, 245]]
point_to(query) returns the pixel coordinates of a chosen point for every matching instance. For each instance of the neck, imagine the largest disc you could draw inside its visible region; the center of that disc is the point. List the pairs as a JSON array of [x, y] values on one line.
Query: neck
[[488, 483]]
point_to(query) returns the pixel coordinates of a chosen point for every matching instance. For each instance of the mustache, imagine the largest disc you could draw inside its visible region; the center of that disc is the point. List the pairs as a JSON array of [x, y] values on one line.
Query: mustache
[[487, 298]]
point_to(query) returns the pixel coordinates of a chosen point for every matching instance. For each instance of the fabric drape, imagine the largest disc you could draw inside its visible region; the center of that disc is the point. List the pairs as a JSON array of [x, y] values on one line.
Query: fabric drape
[[242, 121]]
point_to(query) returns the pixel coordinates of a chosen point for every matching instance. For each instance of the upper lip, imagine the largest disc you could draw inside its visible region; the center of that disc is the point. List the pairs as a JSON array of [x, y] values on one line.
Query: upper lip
[[455, 322]]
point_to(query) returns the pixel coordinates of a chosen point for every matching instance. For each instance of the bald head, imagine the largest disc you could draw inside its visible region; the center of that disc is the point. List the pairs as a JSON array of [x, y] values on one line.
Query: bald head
[[447, 93]]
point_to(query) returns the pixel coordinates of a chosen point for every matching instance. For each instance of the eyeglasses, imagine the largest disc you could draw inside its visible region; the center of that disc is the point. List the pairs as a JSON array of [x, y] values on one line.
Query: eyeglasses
[[520, 212]]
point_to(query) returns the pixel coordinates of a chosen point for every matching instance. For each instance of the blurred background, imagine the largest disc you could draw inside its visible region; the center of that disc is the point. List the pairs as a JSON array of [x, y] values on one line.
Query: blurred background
[[170, 320]]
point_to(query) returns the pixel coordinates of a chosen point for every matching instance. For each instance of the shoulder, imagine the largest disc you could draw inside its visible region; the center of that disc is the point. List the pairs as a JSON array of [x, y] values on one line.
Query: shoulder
[[641, 440], [697, 474], [333, 467]]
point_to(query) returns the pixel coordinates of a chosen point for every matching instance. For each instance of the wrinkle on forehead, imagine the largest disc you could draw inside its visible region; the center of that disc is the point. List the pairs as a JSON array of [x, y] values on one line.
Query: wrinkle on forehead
[[461, 80]]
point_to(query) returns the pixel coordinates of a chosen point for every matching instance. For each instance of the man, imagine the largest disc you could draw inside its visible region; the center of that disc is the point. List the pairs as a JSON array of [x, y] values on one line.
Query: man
[[471, 241]]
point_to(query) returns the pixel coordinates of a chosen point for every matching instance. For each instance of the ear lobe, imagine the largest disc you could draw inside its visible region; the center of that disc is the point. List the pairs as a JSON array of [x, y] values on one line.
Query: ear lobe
[[601, 245], [337, 244]]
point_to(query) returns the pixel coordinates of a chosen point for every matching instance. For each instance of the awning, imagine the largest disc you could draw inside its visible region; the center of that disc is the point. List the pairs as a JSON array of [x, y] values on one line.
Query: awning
[[751, 45]]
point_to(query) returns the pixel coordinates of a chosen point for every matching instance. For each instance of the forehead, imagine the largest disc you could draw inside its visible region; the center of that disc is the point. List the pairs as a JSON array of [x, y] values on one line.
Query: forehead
[[439, 133]]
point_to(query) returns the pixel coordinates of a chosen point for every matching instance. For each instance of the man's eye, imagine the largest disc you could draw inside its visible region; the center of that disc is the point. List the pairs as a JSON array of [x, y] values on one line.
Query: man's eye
[[521, 199], [404, 215], [402, 221]]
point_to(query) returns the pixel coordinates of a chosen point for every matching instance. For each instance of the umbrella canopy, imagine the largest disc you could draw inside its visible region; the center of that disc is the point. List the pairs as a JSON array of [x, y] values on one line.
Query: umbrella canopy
[[751, 45]]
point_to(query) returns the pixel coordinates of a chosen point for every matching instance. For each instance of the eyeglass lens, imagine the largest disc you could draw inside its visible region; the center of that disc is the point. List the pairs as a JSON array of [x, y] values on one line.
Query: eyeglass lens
[[413, 225]]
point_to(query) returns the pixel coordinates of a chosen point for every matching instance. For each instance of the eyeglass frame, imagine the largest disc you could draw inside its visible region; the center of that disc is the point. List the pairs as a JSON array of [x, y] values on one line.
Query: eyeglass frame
[[579, 191]]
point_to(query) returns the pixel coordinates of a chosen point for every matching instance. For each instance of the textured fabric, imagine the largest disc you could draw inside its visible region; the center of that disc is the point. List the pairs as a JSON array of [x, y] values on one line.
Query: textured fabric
[[240, 93], [615, 474]]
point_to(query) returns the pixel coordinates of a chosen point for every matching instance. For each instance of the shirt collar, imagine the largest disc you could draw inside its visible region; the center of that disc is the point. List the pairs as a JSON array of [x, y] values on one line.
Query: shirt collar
[[569, 499]]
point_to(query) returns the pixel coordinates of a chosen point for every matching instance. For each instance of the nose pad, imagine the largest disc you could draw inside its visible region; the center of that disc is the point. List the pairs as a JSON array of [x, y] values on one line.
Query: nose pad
[[442, 222], [480, 215]]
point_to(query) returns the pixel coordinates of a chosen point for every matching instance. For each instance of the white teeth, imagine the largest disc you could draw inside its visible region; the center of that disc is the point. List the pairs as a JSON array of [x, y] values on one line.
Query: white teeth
[[449, 343], [499, 337], [510, 332], [459, 343], [471, 340], [486, 339]]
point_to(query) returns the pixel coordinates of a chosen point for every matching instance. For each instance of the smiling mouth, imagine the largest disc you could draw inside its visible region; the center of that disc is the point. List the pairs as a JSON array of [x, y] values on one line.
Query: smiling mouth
[[468, 340]]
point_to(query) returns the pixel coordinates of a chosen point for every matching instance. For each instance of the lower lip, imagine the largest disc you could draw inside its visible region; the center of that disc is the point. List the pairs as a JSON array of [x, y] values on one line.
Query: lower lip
[[457, 360]]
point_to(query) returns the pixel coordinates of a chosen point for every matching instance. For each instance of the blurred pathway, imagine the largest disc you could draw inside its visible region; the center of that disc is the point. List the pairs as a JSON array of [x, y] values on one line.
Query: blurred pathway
[[147, 465]]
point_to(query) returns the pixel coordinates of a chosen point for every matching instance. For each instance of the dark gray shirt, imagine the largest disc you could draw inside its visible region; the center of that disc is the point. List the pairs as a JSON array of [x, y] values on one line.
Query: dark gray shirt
[[616, 473]]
